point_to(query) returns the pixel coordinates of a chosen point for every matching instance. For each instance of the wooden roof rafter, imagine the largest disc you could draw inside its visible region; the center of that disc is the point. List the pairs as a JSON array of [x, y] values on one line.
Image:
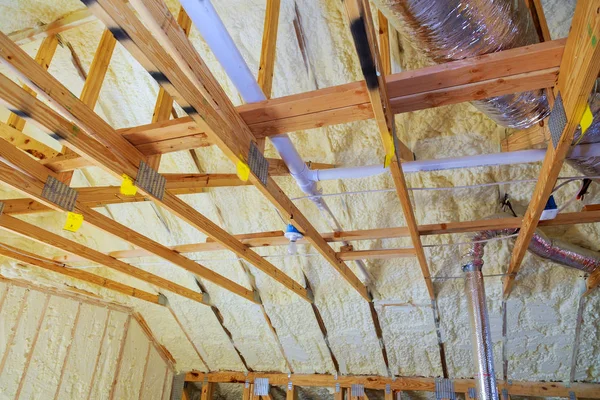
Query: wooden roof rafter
[[190, 83], [578, 71], [123, 158]]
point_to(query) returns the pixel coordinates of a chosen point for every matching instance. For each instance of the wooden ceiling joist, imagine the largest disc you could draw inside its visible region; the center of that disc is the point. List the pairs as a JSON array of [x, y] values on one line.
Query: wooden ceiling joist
[[364, 34], [39, 235], [64, 23], [510, 71], [267, 54], [51, 265], [578, 72], [32, 185], [190, 83], [517, 388], [117, 156], [276, 238]]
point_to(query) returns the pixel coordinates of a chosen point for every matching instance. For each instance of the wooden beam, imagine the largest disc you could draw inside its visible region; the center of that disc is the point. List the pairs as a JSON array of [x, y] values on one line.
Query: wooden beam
[[122, 158], [539, 19], [191, 84], [381, 254], [363, 32], [535, 136], [66, 22], [13, 130], [248, 391], [516, 388], [207, 391], [32, 185], [291, 393], [164, 102], [98, 69], [510, 71], [41, 262], [267, 239], [578, 72], [39, 235], [384, 43], [267, 54]]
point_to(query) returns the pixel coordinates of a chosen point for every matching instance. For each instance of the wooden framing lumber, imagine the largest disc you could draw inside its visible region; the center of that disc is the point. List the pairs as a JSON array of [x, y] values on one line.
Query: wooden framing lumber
[[122, 158], [41, 262], [535, 136], [267, 54], [510, 71], [363, 32], [98, 69], [578, 71], [66, 22], [13, 332], [207, 391], [291, 393], [517, 388], [276, 238], [113, 386], [33, 232], [190, 83], [13, 130], [539, 19], [98, 354], [32, 185], [384, 44]]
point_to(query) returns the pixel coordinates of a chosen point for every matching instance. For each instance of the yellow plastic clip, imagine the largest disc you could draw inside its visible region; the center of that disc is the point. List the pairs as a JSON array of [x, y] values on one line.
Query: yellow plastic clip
[[243, 170], [74, 222], [128, 188], [586, 120]]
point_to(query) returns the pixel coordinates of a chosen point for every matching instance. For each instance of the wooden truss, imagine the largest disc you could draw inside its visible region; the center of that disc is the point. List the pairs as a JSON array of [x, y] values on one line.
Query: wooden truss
[[159, 42]]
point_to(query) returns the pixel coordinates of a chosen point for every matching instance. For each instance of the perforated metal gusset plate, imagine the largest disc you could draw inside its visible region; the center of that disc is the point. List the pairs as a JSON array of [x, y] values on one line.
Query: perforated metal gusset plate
[[177, 388], [444, 389], [557, 120], [60, 194], [357, 390], [150, 181], [261, 386], [258, 163]]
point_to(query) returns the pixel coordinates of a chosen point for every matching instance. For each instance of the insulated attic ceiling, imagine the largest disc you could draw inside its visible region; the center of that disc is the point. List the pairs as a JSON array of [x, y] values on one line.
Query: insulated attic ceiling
[[541, 311]]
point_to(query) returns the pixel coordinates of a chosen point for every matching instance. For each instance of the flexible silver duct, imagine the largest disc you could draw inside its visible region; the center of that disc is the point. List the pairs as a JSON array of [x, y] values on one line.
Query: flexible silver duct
[[589, 166], [451, 30], [550, 249]]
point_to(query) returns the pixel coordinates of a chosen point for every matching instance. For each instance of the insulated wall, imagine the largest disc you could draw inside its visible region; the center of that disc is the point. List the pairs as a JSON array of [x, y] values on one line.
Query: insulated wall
[[58, 346]]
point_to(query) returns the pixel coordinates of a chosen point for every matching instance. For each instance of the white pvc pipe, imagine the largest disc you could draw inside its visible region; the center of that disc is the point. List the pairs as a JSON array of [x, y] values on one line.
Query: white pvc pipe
[[210, 26], [214, 33]]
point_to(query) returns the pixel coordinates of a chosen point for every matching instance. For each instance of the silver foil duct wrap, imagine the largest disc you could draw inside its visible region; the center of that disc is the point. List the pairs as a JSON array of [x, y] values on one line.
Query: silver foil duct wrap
[[481, 337], [451, 30], [563, 253]]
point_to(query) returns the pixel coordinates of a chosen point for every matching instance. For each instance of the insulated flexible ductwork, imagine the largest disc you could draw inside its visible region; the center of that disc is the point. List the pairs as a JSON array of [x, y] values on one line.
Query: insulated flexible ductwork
[[550, 249], [455, 29]]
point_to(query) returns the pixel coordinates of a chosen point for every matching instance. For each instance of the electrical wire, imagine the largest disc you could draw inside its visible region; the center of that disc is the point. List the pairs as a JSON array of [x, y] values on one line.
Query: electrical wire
[[568, 178]]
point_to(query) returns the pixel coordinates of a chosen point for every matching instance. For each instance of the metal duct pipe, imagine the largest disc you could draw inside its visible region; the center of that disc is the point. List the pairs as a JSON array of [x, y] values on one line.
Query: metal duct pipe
[[451, 30], [554, 250], [483, 354]]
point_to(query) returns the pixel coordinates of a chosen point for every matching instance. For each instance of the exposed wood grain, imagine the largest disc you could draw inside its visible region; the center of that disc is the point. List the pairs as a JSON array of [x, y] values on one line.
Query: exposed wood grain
[[50, 265], [98, 69], [122, 157], [384, 43], [267, 54], [66, 22], [265, 239], [363, 32], [515, 70], [113, 386], [517, 388], [578, 71], [191, 84], [535, 136]]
